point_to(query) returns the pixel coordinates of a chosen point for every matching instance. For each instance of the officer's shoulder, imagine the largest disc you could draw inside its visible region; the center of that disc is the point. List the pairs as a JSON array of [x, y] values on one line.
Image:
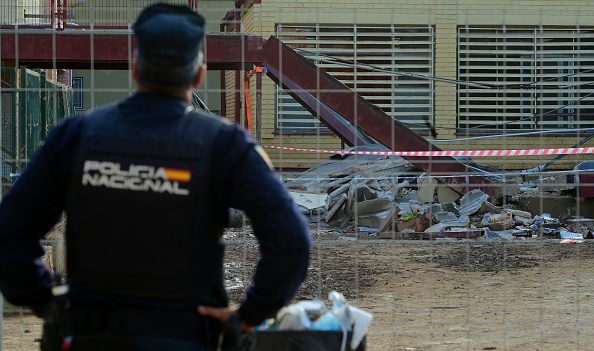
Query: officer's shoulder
[[228, 132], [200, 115], [226, 129], [100, 110], [74, 123], [71, 124]]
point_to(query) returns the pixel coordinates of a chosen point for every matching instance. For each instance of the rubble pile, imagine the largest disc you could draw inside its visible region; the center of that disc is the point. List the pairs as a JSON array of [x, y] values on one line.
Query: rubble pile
[[389, 198]]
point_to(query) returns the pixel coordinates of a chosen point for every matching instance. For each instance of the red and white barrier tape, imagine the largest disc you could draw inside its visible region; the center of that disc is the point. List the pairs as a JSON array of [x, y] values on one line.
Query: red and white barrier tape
[[466, 153]]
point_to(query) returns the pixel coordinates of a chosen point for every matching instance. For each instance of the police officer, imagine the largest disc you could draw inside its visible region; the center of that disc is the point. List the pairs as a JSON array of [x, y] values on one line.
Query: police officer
[[146, 185]]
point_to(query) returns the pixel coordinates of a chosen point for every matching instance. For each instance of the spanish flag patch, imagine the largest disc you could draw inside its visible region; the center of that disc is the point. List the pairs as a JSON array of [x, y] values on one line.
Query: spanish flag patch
[[178, 175]]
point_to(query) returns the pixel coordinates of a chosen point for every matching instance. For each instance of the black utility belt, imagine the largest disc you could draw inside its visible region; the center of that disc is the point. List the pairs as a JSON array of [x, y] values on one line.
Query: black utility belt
[[125, 320]]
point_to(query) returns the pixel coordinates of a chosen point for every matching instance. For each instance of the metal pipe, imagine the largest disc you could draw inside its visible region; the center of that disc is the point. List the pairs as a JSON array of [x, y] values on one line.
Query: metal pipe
[[248, 101], [248, 104], [237, 93], [259, 107], [223, 81], [64, 14]]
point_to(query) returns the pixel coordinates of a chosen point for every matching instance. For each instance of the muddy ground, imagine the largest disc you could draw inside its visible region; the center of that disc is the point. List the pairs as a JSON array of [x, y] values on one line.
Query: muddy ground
[[439, 295]]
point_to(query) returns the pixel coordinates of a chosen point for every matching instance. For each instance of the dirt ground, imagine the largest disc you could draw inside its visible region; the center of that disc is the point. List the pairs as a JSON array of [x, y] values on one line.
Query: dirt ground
[[438, 295]]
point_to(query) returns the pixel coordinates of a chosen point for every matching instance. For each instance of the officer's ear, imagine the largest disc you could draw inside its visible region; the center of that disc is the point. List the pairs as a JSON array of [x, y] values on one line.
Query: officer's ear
[[199, 78], [134, 72]]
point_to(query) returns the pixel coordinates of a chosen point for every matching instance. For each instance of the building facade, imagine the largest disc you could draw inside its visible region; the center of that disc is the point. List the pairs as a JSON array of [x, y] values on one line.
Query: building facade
[[448, 69]]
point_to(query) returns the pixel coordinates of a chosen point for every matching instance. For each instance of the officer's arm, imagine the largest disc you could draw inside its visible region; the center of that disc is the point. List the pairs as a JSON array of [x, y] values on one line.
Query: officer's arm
[[282, 233], [27, 213]]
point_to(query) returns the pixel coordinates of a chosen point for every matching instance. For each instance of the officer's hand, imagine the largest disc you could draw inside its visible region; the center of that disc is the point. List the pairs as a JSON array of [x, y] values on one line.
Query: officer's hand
[[222, 314]]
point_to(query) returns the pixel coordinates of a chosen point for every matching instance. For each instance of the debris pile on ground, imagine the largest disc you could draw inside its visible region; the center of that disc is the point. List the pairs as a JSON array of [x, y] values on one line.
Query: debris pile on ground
[[386, 196]]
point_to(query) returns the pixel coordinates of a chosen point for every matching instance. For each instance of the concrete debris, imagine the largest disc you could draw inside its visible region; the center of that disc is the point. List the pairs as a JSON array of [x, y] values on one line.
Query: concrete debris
[[369, 206], [504, 235], [391, 220], [308, 200], [524, 221], [471, 202], [387, 197], [446, 195], [449, 220], [501, 221], [373, 220], [488, 207], [426, 189], [519, 213], [336, 209], [445, 217]]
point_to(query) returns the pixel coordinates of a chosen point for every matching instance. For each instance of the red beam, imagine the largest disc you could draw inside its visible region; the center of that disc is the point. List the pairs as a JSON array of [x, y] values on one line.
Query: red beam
[[287, 66], [105, 50]]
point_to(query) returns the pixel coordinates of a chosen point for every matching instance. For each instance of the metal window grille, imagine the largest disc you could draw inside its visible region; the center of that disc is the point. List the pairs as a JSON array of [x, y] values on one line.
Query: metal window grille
[[112, 13], [60, 14], [533, 71], [77, 87], [389, 47], [26, 12]]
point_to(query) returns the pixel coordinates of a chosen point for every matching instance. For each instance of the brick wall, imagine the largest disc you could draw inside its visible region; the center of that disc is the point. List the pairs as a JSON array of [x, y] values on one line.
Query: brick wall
[[445, 16]]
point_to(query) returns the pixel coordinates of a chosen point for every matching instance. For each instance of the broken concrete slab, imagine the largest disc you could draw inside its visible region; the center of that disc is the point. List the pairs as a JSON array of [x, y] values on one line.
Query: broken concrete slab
[[345, 172], [446, 195], [453, 221], [333, 196], [336, 208], [373, 220], [358, 192], [369, 206], [488, 207], [471, 202], [335, 184], [426, 189], [445, 217], [309, 200]]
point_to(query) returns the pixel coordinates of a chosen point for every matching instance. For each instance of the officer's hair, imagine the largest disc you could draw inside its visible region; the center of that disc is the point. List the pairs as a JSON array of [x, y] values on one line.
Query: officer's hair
[[168, 77]]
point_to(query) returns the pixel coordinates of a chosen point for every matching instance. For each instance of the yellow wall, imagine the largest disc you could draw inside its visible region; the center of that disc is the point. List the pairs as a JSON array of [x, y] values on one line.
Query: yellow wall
[[445, 16]]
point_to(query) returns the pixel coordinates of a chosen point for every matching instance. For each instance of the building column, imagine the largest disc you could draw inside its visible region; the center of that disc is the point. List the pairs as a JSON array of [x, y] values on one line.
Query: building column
[[446, 63]]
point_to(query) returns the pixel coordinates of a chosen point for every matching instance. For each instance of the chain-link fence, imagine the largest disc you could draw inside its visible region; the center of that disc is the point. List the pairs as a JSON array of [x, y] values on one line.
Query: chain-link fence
[[486, 246]]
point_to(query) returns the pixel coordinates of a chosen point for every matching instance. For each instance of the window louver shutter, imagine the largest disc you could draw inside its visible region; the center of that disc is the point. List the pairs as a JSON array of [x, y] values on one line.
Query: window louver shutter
[[532, 71], [405, 49]]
